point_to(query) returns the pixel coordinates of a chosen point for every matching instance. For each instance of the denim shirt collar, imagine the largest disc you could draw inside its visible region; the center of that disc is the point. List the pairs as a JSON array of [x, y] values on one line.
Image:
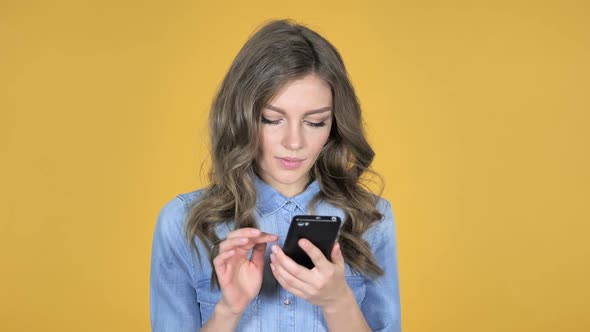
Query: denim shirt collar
[[268, 199]]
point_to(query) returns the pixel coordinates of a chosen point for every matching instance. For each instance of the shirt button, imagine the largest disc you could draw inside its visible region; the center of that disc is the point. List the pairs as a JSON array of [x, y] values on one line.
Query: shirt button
[[288, 203], [286, 302]]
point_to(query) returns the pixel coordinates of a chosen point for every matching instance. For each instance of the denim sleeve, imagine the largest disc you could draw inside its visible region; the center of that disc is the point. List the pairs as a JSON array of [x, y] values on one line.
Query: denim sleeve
[[173, 301], [381, 306]]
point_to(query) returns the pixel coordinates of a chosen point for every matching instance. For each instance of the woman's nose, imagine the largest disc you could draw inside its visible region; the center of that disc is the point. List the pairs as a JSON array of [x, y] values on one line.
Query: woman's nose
[[293, 138]]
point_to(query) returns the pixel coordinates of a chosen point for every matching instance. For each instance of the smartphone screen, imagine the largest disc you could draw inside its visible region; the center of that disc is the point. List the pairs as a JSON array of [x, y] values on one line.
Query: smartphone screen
[[322, 231]]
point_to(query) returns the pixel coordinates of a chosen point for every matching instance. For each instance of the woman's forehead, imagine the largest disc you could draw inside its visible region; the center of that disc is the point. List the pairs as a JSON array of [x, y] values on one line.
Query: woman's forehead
[[310, 94]]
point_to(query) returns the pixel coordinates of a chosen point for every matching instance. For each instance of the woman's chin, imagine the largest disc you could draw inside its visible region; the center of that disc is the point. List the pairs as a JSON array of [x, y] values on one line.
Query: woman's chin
[[288, 180]]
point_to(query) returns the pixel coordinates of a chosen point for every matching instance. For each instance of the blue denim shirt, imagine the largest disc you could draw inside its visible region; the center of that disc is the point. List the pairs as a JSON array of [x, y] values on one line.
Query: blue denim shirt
[[180, 294]]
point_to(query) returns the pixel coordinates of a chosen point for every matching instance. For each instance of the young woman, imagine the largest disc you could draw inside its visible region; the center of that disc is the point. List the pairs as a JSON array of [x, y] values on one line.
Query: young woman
[[286, 139]]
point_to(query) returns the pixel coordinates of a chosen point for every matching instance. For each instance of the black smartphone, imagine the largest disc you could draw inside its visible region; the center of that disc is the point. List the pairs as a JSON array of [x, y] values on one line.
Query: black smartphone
[[320, 230]]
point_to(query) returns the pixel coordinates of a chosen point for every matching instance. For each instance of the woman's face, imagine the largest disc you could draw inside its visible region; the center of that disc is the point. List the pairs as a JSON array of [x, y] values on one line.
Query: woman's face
[[295, 126]]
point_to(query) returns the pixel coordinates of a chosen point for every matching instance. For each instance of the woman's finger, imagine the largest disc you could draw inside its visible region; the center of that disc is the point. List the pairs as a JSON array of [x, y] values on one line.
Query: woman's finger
[[244, 232], [233, 243], [316, 255], [220, 262], [289, 278], [257, 257], [249, 232], [337, 257], [300, 272], [246, 243], [286, 285], [265, 237]]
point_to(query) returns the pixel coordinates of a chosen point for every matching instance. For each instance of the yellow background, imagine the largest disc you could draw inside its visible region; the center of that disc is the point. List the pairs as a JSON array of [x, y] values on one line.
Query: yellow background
[[478, 112]]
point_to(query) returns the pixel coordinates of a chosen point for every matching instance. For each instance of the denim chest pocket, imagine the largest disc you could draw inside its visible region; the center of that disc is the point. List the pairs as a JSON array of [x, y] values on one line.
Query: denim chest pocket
[[208, 298], [358, 287]]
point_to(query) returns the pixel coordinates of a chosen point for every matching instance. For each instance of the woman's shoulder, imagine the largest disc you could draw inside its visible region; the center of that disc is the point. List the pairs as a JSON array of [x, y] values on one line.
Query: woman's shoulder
[[385, 225], [172, 215], [190, 197], [383, 205]]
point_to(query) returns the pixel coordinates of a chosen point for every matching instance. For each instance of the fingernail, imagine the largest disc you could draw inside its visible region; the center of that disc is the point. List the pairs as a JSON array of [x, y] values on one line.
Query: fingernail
[[272, 267], [303, 243], [274, 249], [243, 240], [272, 257], [254, 231]]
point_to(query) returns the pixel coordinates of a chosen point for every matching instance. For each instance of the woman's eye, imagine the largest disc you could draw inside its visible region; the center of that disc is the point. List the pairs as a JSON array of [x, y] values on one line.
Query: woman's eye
[[271, 122], [316, 124]]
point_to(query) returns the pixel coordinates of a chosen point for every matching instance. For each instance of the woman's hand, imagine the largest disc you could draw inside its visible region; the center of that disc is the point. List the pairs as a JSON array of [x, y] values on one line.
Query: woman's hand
[[324, 285], [240, 278]]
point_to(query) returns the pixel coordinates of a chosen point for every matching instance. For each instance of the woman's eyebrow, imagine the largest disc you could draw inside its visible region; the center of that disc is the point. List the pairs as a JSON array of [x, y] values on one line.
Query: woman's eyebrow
[[319, 110]]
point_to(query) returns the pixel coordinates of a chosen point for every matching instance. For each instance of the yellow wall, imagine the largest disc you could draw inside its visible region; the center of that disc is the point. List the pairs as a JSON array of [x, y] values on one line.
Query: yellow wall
[[478, 113]]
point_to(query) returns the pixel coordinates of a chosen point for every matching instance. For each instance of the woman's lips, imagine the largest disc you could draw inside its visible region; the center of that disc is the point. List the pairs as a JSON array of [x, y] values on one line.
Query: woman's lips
[[290, 163]]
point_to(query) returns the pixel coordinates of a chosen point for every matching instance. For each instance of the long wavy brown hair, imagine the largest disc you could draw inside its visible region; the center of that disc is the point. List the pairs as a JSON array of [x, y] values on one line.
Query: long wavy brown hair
[[279, 52]]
